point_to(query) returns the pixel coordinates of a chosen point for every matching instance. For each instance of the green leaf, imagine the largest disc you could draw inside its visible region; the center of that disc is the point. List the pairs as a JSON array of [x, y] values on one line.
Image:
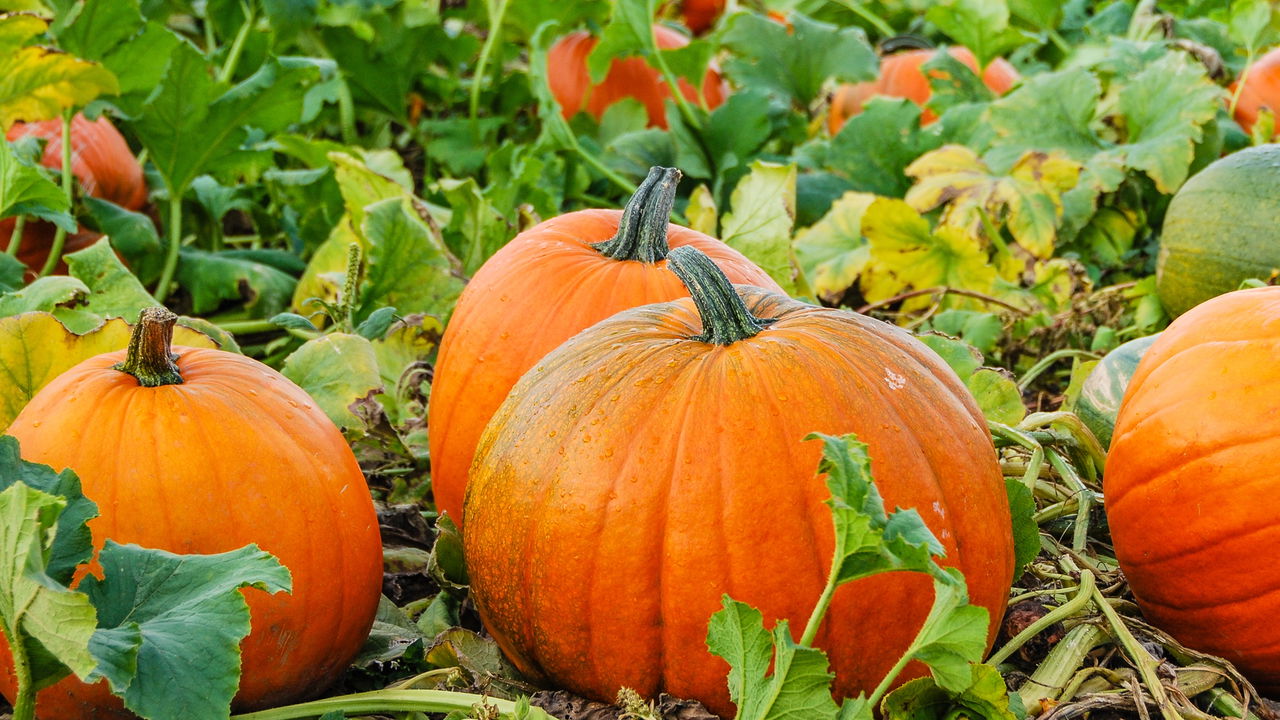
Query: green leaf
[[980, 329], [980, 25], [799, 686], [38, 83], [72, 544], [377, 324], [170, 626], [906, 254], [337, 371], [629, 32], [293, 321], [1250, 24], [985, 697], [238, 276], [403, 353], [874, 148], [52, 623], [758, 224], [476, 230], [953, 636], [1026, 533], [47, 294], [12, 273], [795, 63], [952, 83], [132, 234], [997, 394], [409, 267], [1062, 105], [115, 34], [832, 252], [869, 541], [113, 290], [391, 635], [24, 190]]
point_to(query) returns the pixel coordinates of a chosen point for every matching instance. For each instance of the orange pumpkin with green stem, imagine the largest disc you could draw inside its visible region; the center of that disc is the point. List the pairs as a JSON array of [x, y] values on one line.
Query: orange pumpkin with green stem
[[549, 283], [1191, 481], [901, 76], [1261, 89], [203, 453], [631, 77], [655, 461]]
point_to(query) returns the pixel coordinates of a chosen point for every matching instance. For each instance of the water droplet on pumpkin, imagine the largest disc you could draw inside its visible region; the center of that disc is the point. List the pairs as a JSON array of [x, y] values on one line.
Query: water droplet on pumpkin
[[35, 423]]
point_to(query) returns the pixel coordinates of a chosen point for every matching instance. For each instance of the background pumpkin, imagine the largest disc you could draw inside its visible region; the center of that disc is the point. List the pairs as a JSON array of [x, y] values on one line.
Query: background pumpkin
[[1261, 90], [901, 77], [234, 454], [552, 281], [1191, 482], [100, 160], [1222, 227], [700, 15], [1103, 390], [627, 78], [654, 461]]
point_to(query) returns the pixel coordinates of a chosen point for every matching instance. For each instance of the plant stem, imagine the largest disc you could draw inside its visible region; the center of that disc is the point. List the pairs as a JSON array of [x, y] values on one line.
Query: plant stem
[[60, 237], [686, 110], [15, 240], [642, 231], [237, 45], [1142, 660], [350, 286], [1084, 499], [150, 358], [346, 111], [1244, 77], [1048, 360], [388, 701], [1084, 594], [820, 610], [175, 241], [496, 14], [248, 327], [725, 318], [872, 19], [1048, 680], [24, 705]]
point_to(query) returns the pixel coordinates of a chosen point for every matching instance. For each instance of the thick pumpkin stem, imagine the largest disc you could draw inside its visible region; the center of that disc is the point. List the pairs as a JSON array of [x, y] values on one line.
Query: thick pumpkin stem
[[725, 319], [642, 234], [150, 357]]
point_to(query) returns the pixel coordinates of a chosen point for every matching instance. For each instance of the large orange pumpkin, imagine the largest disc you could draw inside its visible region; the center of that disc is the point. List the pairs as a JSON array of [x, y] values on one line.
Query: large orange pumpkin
[[627, 78], [1191, 481], [552, 281], [901, 76], [655, 461], [1261, 90], [203, 455], [100, 160]]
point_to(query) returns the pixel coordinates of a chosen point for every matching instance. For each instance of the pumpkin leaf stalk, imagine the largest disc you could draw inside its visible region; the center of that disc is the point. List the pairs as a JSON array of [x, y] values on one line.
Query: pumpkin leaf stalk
[[725, 319], [150, 357], [642, 233]]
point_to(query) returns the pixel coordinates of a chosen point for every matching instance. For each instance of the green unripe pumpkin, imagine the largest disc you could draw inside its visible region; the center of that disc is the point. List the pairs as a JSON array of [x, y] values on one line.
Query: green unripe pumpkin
[[1223, 227]]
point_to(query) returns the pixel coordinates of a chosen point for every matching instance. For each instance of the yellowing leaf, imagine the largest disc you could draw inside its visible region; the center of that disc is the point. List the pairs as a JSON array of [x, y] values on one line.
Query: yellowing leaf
[[38, 83], [1028, 198], [701, 212], [758, 224], [337, 370], [35, 348], [906, 255], [832, 251]]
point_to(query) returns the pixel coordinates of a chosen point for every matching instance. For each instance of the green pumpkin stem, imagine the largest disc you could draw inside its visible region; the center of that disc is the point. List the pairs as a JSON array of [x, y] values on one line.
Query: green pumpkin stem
[[725, 319], [150, 357], [642, 234]]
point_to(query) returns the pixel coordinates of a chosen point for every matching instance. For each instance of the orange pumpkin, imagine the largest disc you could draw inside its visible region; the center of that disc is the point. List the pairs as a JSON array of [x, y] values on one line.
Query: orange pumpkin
[[102, 163], [1190, 481], [627, 78], [700, 15], [204, 455], [1261, 90], [581, 268], [901, 76], [655, 461]]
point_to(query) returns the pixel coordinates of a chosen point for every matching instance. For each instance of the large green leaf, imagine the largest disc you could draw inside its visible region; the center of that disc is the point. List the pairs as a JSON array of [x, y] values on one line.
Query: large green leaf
[[170, 626], [409, 267], [24, 190], [337, 371], [38, 83], [72, 544], [832, 251], [794, 63], [980, 25], [758, 223], [874, 148]]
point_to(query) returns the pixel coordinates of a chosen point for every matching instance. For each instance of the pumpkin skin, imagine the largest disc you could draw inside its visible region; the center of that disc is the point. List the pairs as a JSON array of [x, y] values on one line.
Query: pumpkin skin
[[630, 77], [1190, 482], [700, 15], [102, 163], [1220, 229], [236, 454], [496, 332], [901, 77], [1103, 390], [1261, 90], [637, 473]]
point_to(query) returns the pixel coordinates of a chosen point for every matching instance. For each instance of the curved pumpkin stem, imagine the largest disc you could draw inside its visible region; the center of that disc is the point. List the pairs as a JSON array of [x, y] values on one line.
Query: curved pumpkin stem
[[725, 319], [642, 234], [150, 357]]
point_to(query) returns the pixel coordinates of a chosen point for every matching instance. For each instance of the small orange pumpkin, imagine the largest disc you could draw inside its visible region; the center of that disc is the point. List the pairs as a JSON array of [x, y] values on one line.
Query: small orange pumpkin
[[901, 76], [1191, 483], [700, 15], [549, 283], [655, 461], [1261, 90], [628, 78], [206, 453], [100, 160]]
